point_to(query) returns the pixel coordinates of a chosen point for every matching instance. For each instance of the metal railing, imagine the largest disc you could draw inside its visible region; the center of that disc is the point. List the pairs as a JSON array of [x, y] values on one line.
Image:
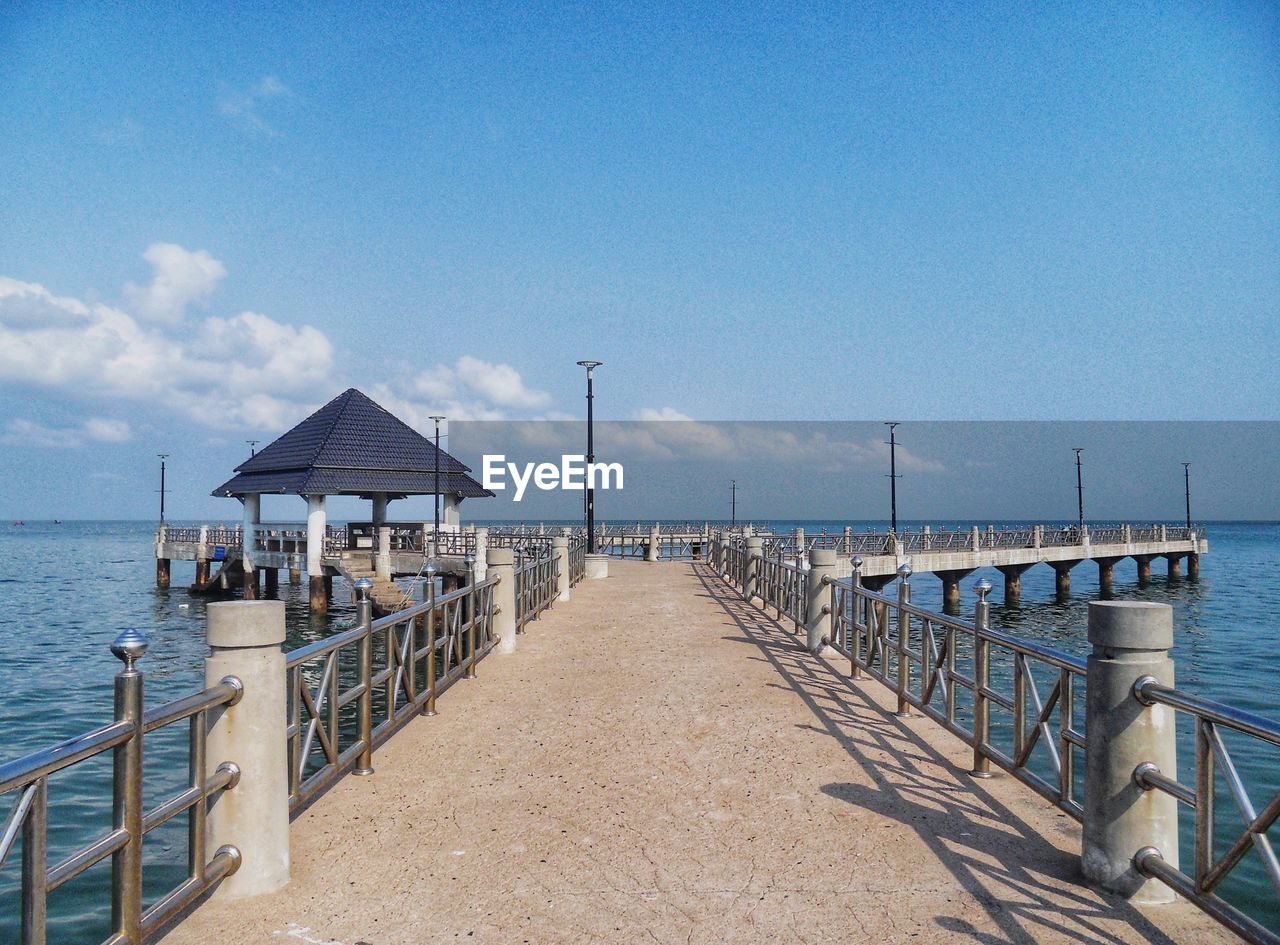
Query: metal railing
[[1212, 757], [577, 559], [784, 587], [351, 692], [950, 670], [132, 920], [536, 587]]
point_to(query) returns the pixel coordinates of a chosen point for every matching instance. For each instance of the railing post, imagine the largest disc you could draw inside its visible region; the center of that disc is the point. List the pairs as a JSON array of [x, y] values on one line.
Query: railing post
[[753, 553], [981, 681], [252, 733], [1131, 640], [364, 669], [654, 545], [857, 635], [126, 795], [820, 598], [560, 552], [904, 638], [502, 567]]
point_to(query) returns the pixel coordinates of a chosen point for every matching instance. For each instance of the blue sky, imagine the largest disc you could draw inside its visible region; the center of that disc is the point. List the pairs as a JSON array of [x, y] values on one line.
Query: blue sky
[[214, 222]]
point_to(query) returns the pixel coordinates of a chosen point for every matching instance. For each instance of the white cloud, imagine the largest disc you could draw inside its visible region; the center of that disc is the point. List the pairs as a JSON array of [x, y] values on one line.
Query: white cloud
[[179, 278], [95, 430], [244, 107], [666, 413], [244, 372], [231, 373]]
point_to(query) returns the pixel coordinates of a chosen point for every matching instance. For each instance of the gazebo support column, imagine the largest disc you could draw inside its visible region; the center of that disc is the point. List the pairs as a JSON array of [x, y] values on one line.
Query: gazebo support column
[[317, 524], [252, 516]]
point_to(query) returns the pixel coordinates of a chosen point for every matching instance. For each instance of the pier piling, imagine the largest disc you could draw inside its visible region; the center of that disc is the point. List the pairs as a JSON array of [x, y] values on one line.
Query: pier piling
[[1062, 571], [951, 589], [1175, 566], [1130, 639], [1013, 580], [1144, 568], [1106, 575], [163, 570]]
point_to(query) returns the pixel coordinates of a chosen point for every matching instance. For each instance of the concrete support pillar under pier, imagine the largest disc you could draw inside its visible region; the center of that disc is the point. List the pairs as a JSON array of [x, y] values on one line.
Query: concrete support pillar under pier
[[273, 583], [163, 571], [1144, 568], [319, 594], [202, 571], [1062, 586], [951, 588], [1175, 566], [1013, 582], [1106, 574], [1193, 567], [295, 576]]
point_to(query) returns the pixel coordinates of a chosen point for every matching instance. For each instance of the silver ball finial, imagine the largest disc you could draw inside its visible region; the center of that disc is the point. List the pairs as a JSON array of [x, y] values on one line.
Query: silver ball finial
[[430, 569], [469, 560], [129, 647], [904, 571], [363, 587], [983, 588], [857, 562]]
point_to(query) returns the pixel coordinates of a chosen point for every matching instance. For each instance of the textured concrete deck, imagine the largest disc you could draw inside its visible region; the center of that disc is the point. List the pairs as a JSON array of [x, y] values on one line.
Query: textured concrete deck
[[660, 762]]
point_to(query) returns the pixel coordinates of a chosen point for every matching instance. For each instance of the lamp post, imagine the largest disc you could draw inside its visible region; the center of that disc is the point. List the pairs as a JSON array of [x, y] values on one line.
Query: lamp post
[[1186, 476], [1079, 488], [163, 457], [253, 447], [733, 503], [591, 458], [436, 535], [893, 474]]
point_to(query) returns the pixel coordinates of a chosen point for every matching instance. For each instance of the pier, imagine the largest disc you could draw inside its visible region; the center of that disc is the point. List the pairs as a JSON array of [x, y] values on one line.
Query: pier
[[740, 747]]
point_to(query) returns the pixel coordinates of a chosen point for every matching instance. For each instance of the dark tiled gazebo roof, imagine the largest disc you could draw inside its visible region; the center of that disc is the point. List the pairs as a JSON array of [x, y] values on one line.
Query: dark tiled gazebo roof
[[351, 446]]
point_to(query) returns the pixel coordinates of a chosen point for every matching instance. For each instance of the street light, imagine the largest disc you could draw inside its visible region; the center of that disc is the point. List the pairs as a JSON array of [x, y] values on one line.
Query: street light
[[1079, 487], [163, 457], [1186, 475], [893, 474], [437, 419], [733, 503], [591, 458], [253, 447]]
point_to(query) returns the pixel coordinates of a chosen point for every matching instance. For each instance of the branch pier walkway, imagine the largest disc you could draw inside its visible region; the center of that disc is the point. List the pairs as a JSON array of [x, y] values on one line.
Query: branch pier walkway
[[661, 761]]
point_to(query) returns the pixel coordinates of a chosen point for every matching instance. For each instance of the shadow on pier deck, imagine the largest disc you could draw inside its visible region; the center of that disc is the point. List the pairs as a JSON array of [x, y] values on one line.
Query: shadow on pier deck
[[661, 762]]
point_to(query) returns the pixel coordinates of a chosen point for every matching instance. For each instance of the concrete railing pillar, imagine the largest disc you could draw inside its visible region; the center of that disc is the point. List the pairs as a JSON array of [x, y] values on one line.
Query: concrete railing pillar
[[560, 551], [654, 544], [482, 553], [1131, 639], [975, 538], [754, 552], [822, 569], [244, 641], [502, 565]]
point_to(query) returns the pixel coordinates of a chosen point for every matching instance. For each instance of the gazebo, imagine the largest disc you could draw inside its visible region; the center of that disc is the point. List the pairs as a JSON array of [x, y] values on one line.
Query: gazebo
[[350, 446]]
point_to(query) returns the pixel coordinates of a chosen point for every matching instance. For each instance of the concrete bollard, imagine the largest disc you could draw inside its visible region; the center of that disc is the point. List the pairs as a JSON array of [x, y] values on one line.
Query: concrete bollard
[[754, 553], [560, 551], [653, 546], [818, 627], [502, 563], [244, 641], [597, 567], [1130, 639]]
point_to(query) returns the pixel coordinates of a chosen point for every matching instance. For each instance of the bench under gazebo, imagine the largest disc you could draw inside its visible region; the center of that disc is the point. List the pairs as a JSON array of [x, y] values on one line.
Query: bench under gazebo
[[350, 446]]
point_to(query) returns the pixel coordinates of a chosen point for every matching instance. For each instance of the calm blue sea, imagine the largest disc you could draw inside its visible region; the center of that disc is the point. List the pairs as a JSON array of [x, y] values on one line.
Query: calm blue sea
[[67, 590]]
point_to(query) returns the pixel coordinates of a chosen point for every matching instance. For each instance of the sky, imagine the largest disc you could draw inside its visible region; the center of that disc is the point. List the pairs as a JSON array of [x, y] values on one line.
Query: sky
[[216, 219]]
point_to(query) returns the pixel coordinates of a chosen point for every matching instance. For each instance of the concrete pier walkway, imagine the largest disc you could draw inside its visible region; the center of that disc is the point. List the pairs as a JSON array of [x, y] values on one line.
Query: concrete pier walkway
[[661, 762]]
